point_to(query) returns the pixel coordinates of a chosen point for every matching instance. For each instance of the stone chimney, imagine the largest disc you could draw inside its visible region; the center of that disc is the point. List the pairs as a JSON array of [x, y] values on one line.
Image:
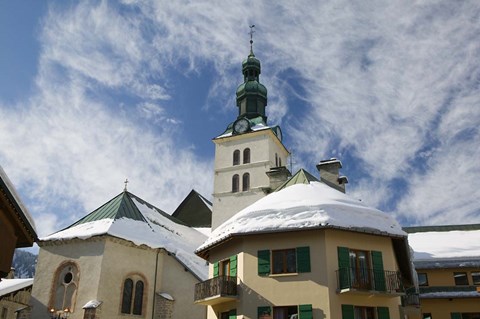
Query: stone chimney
[[278, 176], [330, 174]]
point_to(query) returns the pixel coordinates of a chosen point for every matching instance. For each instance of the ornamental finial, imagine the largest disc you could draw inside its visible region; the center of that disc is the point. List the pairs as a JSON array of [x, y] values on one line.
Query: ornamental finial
[[126, 182], [252, 31]]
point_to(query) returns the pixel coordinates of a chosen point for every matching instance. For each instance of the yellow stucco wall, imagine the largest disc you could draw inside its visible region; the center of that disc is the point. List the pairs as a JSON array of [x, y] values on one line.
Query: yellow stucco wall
[[441, 308], [318, 287]]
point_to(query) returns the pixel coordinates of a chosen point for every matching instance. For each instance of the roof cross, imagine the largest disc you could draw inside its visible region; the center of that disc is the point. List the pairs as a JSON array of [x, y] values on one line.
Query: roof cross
[[126, 182], [252, 31]]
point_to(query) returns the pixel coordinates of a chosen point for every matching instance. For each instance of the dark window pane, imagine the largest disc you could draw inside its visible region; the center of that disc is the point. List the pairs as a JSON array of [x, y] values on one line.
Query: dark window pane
[[246, 156], [284, 261], [236, 157], [127, 296], [235, 183], [460, 278], [476, 278], [138, 301], [245, 182], [422, 279]]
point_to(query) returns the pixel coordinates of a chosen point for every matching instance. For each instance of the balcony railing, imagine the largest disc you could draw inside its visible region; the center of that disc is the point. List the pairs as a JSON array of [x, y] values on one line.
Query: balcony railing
[[216, 290], [411, 299], [358, 279]]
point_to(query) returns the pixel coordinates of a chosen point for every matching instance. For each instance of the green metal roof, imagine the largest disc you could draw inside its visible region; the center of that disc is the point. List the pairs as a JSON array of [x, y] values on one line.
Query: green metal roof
[[118, 207], [301, 177]]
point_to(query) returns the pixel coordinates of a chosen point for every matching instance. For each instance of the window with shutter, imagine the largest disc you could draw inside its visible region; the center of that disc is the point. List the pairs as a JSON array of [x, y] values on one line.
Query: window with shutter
[[215, 269], [378, 272], [263, 262], [303, 259], [456, 315], [233, 266], [305, 311], [232, 314], [347, 312], [383, 313], [344, 267]]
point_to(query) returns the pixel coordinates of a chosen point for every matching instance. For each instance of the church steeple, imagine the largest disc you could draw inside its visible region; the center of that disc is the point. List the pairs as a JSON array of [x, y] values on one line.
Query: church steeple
[[251, 94]]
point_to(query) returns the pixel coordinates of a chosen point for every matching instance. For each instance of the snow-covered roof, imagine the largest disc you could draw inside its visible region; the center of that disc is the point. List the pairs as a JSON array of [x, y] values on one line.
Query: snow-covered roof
[[8, 286], [305, 206], [142, 224], [13, 192], [445, 245], [92, 304]]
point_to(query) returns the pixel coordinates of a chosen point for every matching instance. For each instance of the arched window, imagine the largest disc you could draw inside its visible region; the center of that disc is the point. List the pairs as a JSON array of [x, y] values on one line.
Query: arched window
[[279, 161], [276, 160], [246, 156], [65, 285], [127, 296], [245, 182], [235, 183], [236, 157], [137, 302], [132, 295]]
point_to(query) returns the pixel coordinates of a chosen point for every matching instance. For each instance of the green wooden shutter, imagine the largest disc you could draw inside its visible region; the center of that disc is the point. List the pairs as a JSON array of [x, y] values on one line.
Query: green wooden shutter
[[303, 259], [215, 269], [305, 312], [347, 312], [264, 310], [233, 266], [263, 262], [383, 313], [456, 315], [344, 267], [378, 273], [232, 314]]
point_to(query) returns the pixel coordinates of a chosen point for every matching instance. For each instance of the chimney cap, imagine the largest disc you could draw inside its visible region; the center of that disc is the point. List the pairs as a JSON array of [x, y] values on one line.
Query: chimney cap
[[331, 161]]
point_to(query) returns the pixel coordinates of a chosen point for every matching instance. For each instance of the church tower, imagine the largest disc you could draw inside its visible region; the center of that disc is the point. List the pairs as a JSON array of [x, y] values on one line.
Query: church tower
[[249, 155]]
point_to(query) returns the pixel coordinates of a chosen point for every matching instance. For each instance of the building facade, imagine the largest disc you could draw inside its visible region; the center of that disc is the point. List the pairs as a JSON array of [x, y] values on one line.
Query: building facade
[[447, 261], [306, 251], [126, 259]]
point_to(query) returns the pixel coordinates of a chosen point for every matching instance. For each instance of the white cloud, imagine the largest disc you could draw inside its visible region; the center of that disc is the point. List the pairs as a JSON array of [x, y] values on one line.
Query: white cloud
[[393, 84]]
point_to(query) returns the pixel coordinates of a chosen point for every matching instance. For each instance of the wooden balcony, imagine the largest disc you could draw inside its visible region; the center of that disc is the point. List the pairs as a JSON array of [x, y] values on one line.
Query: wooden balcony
[[369, 281], [216, 290]]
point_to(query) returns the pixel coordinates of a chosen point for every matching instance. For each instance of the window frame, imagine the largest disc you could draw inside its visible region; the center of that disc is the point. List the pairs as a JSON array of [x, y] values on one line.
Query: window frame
[[360, 275], [475, 277], [235, 183], [283, 254], [246, 156], [137, 301], [456, 275], [246, 182], [426, 279], [236, 157], [288, 314]]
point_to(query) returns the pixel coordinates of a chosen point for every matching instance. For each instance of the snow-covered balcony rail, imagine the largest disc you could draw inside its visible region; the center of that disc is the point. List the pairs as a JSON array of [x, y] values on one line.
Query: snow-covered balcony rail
[[353, 279], [216, 290], [450, 292]]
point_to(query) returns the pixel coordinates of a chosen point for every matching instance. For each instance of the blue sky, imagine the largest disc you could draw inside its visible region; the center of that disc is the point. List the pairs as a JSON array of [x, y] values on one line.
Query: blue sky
[[94, 92]]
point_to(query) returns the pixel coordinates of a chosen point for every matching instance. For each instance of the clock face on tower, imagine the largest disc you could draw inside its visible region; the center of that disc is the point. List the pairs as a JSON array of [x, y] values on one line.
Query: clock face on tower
[[241, 126]]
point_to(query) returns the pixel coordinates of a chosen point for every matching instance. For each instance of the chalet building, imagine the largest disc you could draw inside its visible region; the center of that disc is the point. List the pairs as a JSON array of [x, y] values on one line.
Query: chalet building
[[15, 297], [17, 228], [447, 261], [126, 259]]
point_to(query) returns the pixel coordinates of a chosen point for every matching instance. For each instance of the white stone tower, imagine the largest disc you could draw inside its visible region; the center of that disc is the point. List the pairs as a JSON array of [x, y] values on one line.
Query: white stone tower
[[250, 157]]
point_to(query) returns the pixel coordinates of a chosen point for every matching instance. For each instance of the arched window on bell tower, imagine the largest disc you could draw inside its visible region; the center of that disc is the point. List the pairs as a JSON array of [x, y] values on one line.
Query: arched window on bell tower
[[235, 183], [245, 182], [236, 157], [246, 156]]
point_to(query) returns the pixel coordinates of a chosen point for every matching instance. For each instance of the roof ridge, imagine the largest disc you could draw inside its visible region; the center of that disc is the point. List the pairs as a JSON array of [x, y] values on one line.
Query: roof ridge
[[440, 228], [300, 177]]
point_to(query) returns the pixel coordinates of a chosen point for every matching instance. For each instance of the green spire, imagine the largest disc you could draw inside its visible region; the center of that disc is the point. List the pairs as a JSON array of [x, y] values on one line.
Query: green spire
[[251, 94]]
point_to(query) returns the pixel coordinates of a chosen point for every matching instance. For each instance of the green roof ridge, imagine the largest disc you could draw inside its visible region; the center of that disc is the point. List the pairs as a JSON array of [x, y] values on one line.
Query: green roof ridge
[[442, 228], [300, 177], [118, 207]]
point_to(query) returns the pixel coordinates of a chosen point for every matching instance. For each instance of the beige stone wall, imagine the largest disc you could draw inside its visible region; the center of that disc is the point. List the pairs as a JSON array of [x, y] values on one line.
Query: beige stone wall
[[87, 255], [318, 287], [263, 147]]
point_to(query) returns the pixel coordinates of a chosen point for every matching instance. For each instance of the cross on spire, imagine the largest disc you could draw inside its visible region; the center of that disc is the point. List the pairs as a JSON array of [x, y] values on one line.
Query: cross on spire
[[252, 31], [126, 182]]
